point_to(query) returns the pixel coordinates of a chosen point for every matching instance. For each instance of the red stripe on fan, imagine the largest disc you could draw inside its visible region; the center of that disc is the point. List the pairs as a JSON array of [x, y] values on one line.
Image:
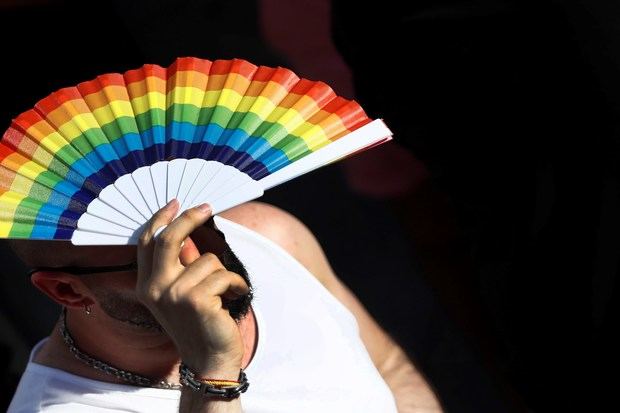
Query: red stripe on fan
[[5, 151], [138, 75], [26, 119], [280, 75], [56, 99], [239, 66], [186, 64], [351, 114]]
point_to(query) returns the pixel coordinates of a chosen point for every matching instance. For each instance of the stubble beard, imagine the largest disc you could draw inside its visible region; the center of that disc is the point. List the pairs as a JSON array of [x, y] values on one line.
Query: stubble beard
[[124, 307]]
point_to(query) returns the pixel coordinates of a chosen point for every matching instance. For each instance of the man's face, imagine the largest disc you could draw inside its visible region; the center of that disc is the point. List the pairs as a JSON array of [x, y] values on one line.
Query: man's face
[[117, 298], [115, 292]]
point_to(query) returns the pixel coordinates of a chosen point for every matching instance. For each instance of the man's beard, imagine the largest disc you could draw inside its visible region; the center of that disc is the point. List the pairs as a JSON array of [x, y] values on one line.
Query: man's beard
[[125, 308]]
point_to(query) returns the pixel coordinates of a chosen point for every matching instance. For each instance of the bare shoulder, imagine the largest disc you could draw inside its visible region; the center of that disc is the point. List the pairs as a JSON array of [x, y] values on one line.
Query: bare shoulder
[[269, 221], [285, 230]]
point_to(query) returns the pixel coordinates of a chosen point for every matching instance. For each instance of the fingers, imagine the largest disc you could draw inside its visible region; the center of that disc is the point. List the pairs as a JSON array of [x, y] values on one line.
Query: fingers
[[197, 271], [203, 284], [189, 252], [209, 292], [145, 245], [168, 243]]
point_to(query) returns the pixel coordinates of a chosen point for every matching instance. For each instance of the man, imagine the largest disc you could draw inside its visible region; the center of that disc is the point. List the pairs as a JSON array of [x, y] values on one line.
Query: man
[[189, 302]]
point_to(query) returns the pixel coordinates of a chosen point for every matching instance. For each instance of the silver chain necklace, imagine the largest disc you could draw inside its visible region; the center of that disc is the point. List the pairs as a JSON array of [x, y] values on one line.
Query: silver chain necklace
[[127, 376]]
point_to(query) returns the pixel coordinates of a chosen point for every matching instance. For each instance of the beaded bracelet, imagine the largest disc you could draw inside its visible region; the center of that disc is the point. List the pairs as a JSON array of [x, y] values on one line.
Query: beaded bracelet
[[228, 389]]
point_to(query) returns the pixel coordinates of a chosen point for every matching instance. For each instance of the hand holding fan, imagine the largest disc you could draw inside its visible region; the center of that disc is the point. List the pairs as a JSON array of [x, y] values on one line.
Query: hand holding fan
[[92, 163]]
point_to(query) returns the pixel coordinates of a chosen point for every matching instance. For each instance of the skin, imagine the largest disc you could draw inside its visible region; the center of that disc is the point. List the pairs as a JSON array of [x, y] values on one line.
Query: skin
[[183, 289]]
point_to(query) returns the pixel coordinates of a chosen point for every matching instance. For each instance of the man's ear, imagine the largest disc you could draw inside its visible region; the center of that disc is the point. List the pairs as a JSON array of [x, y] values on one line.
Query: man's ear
[[65, 289]]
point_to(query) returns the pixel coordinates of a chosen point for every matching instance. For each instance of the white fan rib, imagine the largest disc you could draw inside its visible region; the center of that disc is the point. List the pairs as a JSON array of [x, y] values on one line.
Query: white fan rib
[[129, 189], [159, 176], [369, 134], [176, 168], [142, 179], [102, 210], [114, 218], [115, 199], [193, 169]]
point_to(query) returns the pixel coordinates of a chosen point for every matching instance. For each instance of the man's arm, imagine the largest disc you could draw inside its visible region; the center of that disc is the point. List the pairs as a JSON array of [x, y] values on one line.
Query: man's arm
[[410, 389], [185, 292]]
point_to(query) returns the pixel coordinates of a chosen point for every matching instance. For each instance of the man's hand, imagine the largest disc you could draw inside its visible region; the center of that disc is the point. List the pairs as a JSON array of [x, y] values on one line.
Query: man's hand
[[185, 291]]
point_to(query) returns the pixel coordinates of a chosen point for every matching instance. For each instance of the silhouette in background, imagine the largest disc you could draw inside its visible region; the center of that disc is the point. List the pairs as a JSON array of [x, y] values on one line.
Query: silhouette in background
[[513, 108]]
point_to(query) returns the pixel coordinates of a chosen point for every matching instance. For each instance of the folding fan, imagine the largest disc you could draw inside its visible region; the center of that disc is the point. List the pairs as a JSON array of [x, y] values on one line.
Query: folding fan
[[92, 163]]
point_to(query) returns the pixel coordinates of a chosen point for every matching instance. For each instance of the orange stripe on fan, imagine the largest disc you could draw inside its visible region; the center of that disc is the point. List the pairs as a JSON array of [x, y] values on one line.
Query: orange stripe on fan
[[6, 179]]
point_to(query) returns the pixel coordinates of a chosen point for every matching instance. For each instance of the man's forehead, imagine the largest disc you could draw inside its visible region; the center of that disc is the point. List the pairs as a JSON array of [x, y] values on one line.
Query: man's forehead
[[36, 253], [98, 254], [44, 253]]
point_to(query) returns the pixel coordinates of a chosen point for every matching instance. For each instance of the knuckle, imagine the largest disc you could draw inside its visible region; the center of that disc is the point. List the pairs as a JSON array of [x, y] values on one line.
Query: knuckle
[[212, 305], [148, 294], [145, 238], [194, 299], [219, 278], [211, 258], [165, 240], [157, 215], [175, 293], [221, 274], [191, 214]]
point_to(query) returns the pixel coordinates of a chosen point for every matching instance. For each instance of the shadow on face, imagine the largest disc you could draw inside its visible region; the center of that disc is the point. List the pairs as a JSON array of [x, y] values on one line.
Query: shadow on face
[[115, 291]]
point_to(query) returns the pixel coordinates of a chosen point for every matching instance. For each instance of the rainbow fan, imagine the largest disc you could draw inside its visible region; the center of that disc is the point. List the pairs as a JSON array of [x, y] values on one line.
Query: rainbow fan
[[92, 163]]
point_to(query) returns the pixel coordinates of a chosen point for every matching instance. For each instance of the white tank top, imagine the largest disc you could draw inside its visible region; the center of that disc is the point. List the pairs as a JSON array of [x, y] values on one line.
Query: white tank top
[[309, 356]]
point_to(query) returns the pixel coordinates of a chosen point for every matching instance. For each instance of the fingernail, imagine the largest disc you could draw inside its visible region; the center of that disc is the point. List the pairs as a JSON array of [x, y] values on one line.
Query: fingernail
[[206, 208], [172, 202]]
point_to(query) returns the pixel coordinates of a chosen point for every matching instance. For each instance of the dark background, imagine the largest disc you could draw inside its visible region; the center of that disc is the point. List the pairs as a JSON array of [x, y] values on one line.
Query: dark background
[[484, 238]]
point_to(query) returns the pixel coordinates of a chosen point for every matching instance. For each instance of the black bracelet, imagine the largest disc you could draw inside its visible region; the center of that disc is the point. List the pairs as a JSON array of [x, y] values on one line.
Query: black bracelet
[[188, 379]]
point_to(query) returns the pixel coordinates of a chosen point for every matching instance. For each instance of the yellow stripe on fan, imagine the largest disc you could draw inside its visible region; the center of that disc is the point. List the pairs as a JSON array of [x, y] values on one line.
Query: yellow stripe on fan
[[150, 101], [9, 201], [185, 96], [22, 184], [115, 110]]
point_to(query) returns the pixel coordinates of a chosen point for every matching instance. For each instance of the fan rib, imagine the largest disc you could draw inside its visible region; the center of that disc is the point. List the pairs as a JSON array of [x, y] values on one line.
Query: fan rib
[[102, 210], [32, 136], [142, 180], [268, 88], [69, 114], [185, 90], [146, 88], [192, 170], [233, 90], [107, 98], [357, 140], [304, 100]]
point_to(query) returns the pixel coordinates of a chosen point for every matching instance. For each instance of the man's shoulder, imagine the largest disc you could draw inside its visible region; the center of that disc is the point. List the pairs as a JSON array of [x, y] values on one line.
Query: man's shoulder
[[282, 228], [270, 221]]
